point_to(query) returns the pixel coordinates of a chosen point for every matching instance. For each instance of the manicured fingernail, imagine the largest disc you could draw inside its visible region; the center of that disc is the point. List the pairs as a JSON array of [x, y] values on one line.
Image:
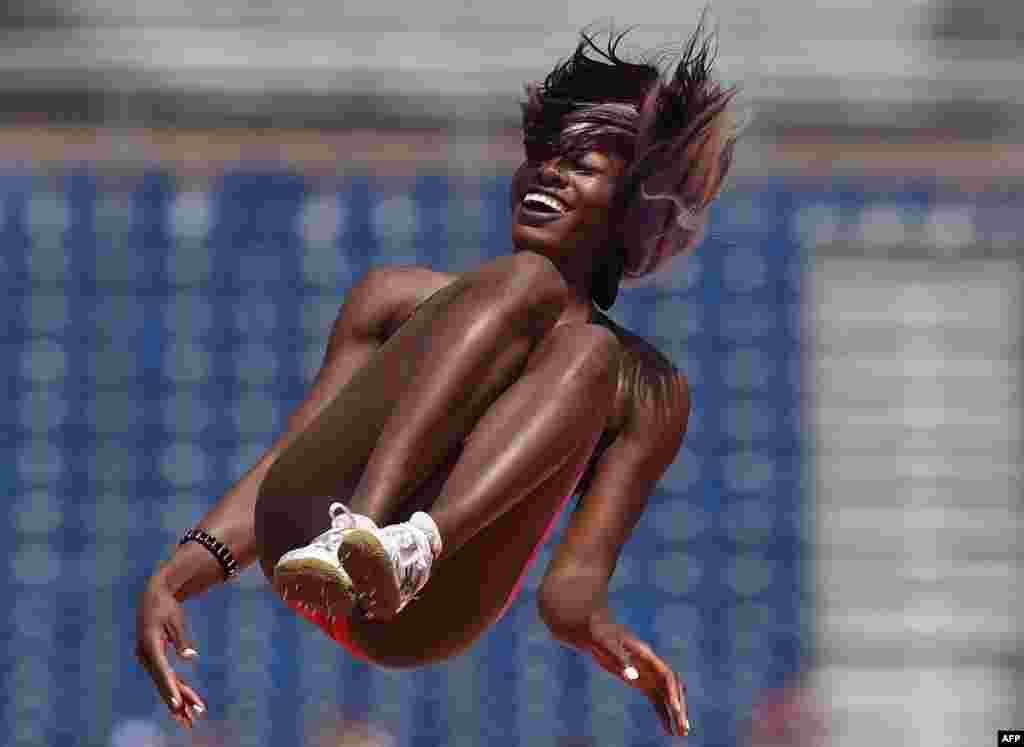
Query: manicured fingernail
[[630, 673], [198, 708], [175, 703], [189, 653]]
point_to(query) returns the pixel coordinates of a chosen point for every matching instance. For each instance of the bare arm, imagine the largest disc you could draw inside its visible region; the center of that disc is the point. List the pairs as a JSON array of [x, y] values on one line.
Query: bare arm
[[372, 309], [378, 304], [576, 582], [573, 598]]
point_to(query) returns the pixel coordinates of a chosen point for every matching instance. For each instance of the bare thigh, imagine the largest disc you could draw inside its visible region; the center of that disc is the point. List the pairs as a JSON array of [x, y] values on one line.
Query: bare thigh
[[326, 461], [470, 591]]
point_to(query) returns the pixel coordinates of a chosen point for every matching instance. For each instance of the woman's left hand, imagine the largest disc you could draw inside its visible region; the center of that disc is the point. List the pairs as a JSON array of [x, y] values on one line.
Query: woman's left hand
[[624, 655]]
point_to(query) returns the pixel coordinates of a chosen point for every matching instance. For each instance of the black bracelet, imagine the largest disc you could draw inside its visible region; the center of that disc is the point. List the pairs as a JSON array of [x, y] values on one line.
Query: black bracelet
[[219, 549]]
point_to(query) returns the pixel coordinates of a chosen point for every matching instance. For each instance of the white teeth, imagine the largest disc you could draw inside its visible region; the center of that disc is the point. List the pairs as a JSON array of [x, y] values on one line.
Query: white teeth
[[543, 199]]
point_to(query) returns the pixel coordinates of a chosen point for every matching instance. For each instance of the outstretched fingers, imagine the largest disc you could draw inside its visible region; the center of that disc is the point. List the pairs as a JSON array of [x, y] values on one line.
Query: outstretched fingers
[[178, 636], [668, 687], [150, 653], [627, 657], [183, 702], [191, 700], [681, 710], [192, 705]]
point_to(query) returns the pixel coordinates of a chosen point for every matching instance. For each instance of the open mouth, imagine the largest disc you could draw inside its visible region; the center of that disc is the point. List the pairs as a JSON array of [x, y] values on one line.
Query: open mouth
[[545, 204]]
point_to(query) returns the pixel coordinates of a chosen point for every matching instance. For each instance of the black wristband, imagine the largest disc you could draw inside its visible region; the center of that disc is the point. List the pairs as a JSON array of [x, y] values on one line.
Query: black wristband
[[217, 548]]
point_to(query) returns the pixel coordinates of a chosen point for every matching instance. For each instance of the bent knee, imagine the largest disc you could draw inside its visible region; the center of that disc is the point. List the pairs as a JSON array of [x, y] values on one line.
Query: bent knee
[[598, 342], [525, 282], [586, 352]]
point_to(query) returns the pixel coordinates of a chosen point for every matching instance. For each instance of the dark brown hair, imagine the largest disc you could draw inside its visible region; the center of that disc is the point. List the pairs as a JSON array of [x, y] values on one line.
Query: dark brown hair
[[676, 132]]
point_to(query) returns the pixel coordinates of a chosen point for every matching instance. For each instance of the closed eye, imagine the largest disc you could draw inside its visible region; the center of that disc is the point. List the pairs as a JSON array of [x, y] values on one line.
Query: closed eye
[[588, 164], [584, 168]]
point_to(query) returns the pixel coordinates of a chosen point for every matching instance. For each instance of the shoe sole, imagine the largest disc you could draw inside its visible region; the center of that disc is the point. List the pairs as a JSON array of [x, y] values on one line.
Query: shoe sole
[[312, 583], [373, 577]]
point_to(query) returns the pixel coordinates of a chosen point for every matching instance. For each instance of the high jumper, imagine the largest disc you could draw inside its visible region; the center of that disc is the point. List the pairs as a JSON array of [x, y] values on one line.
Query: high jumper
[[454, 416]]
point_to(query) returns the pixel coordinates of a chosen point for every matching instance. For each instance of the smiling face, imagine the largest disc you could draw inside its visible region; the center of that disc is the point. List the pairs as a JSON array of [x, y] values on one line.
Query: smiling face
[[566, 204]]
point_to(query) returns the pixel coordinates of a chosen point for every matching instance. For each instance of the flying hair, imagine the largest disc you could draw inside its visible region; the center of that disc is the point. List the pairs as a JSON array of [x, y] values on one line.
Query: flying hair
[[677, 133]]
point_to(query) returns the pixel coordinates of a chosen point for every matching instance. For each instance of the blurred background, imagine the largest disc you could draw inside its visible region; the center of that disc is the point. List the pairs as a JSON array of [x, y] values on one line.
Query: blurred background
[[187, 191]]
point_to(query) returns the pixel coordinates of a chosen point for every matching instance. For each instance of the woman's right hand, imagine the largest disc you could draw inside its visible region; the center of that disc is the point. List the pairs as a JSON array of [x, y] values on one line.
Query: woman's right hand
[[160, 622]]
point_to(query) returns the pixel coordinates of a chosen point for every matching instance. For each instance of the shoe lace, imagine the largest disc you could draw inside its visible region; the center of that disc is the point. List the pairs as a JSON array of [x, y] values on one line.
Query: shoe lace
[[340, 520], [338, 512], [412, 560]]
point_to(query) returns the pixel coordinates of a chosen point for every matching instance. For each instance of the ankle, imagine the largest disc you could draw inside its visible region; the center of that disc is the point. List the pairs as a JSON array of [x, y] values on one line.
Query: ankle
[[424, 522]]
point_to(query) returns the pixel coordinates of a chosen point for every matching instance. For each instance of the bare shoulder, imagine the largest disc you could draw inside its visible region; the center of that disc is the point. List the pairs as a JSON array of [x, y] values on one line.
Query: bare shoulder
[[386, 296], [653, 393]]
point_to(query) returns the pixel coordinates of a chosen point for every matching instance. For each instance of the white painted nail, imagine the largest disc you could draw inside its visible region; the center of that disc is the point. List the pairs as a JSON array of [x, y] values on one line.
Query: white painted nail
[[630, 673], [190, 653], [198, 708]]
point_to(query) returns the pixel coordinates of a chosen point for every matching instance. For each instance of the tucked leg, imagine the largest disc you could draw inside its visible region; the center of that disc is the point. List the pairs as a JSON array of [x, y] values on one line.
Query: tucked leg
[[468, 360], [536, 429], [558, 407], [493, 531], [477, 334]]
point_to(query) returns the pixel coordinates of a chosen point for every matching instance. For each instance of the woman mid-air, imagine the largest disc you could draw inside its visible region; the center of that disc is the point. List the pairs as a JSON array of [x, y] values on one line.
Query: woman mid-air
[[455, 415]]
